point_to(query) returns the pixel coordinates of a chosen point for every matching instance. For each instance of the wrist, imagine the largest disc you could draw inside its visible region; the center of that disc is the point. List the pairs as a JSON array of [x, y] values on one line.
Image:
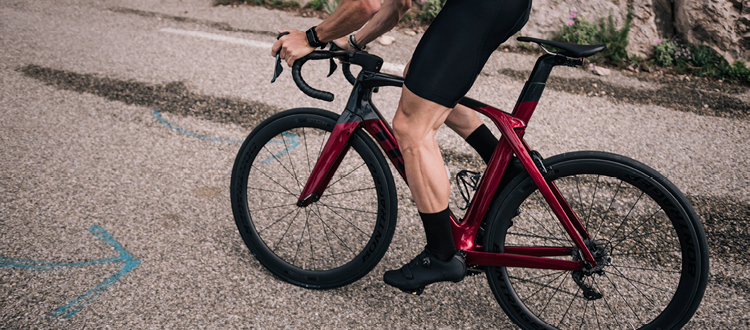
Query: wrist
[[312, 38], [353, 43]]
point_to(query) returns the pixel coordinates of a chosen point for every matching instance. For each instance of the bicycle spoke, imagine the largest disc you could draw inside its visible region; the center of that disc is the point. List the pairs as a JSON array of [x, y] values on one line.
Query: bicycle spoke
[[539, 222], [565, 278], [302, 236], [345, 219], [328, 239], [273, 207], [663, 231], [650, 269], [621, 275], [537, 283], [345, 175], [609, 207], [642, 253], [274, 181], [307, 153], [271, 191], [606, 302], [593, 198], [277, 221], [348, 192], [286, 169], [625, 219], [348, 209], [567, 310], [337, 236], [291, 162], [623, 299], [287, 228], [546, 285]]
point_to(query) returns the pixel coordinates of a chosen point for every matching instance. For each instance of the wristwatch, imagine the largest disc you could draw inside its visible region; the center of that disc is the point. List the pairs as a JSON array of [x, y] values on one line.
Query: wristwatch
[[312, 38]]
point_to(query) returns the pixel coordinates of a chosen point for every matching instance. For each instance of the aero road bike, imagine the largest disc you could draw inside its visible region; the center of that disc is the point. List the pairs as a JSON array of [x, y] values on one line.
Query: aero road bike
[[578, 240]]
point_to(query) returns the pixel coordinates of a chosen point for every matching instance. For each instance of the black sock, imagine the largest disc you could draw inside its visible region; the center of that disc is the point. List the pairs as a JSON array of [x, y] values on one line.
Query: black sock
[[437, 229], [483, 141]]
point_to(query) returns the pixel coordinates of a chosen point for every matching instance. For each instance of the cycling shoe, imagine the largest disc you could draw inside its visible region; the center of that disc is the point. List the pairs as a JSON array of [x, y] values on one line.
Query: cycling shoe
[[426, 269]]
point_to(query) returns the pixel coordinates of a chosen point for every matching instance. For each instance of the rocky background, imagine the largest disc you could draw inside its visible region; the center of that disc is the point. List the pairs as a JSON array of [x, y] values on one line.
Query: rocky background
[[722, 24]]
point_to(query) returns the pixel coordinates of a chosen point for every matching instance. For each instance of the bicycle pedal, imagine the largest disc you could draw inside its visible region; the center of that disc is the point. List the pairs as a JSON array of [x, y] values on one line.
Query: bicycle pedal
[[416, 292]]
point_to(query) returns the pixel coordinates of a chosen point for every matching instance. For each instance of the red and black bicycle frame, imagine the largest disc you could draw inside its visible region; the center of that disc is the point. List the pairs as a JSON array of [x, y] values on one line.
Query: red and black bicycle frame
[[361, 113]]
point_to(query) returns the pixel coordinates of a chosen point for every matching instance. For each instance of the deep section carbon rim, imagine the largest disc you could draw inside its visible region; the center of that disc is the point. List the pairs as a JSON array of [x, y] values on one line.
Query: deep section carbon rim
[[331, 242], [647, 240]]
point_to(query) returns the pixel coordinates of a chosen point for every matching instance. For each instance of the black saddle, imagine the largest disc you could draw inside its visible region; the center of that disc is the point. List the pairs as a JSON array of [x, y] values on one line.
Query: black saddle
[[569, 50]]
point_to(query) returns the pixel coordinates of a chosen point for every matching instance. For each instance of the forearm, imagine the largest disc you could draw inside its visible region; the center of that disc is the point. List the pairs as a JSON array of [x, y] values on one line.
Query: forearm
[[383, 21], [349, 16]]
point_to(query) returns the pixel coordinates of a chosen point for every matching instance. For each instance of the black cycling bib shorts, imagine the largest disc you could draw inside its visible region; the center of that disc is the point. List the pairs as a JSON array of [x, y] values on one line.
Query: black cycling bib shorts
[[455, 47]]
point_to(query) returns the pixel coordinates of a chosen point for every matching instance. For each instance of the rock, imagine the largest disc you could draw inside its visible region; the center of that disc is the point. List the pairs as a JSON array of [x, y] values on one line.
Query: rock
[[410, 33], [721, 24], [599, 71], [386, 40]]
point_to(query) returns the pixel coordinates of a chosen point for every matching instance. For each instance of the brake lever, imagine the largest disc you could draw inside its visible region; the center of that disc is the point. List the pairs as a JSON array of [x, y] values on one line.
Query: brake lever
[[278, 68], [332, 66]]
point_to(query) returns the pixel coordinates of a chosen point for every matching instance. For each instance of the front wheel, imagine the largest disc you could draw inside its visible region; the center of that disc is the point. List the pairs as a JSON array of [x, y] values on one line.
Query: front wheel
[[645, 233], [333, 241]]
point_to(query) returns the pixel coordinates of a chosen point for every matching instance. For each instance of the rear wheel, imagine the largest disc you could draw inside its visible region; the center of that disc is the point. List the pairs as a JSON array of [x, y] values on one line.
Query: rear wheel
[[649, 241], [331, 242]]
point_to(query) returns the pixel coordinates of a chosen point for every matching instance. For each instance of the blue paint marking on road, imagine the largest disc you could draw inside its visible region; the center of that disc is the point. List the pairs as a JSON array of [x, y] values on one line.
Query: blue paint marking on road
[[190, 133], [70, 309], [293, 141], [286, 137]]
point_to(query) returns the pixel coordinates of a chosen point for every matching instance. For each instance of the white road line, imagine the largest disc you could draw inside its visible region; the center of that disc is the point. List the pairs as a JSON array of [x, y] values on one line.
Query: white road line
[[218, 37], [387, 67]]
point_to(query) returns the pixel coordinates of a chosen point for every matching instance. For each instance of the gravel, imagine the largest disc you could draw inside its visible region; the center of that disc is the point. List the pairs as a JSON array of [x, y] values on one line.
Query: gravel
[[82, 147]]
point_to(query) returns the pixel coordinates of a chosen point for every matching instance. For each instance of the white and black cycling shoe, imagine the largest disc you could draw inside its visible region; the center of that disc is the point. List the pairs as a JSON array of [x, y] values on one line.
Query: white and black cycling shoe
[[426, 269]]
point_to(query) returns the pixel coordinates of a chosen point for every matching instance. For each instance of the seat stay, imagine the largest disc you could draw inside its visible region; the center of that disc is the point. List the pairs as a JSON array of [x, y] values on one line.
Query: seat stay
[[536, 176]]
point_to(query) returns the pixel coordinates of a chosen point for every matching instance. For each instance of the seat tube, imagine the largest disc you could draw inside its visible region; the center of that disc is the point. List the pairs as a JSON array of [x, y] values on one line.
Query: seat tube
[[532, 90]]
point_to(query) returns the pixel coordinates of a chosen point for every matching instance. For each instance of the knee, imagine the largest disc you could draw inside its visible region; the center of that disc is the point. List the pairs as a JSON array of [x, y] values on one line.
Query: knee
[[400, 129]]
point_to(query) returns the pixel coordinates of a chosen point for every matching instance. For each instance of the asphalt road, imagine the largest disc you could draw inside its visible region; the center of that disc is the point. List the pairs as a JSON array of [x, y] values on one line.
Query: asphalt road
[[119, 123]]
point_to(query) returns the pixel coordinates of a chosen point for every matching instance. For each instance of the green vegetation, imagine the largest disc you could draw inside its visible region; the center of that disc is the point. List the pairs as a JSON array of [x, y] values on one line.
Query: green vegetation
[[582, 32], [699, 60], [329, 6], [429, 9]]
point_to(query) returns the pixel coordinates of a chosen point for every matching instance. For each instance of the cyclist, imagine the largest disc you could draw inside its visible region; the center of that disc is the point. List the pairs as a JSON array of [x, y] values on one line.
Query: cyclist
[[443, 68]]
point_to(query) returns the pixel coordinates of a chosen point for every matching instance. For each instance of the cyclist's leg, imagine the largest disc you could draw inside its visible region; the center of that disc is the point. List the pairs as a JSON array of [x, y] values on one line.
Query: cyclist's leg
[[433, 86], [466, 123], [463, 121], [414, 125]]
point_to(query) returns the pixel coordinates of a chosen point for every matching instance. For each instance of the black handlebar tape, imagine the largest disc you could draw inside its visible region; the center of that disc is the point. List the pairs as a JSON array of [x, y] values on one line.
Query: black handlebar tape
[[303, 86], [346, 68]]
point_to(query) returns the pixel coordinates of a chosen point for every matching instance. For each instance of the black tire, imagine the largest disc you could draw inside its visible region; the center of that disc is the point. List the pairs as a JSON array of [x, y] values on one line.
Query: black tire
[[659, 266], [332, 242]]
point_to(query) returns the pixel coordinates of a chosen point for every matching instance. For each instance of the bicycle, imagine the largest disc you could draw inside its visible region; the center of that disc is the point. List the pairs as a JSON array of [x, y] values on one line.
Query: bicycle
[[580, 239]]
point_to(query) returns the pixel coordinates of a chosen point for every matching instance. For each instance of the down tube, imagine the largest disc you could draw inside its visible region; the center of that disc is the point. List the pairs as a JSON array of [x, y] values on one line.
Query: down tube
[[382, 133]]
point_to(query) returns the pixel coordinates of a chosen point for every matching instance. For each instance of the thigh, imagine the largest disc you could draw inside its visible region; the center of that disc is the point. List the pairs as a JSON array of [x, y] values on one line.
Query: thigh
[[457, 45]]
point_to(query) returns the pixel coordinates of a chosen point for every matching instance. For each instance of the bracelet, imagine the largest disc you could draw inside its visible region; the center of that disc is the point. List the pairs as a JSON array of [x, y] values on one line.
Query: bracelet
[[353, 43], [312, 38]]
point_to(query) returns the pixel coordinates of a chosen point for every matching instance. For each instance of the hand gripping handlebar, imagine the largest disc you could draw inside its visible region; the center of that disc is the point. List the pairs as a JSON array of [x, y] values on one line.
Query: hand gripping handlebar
[[368, 62]]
